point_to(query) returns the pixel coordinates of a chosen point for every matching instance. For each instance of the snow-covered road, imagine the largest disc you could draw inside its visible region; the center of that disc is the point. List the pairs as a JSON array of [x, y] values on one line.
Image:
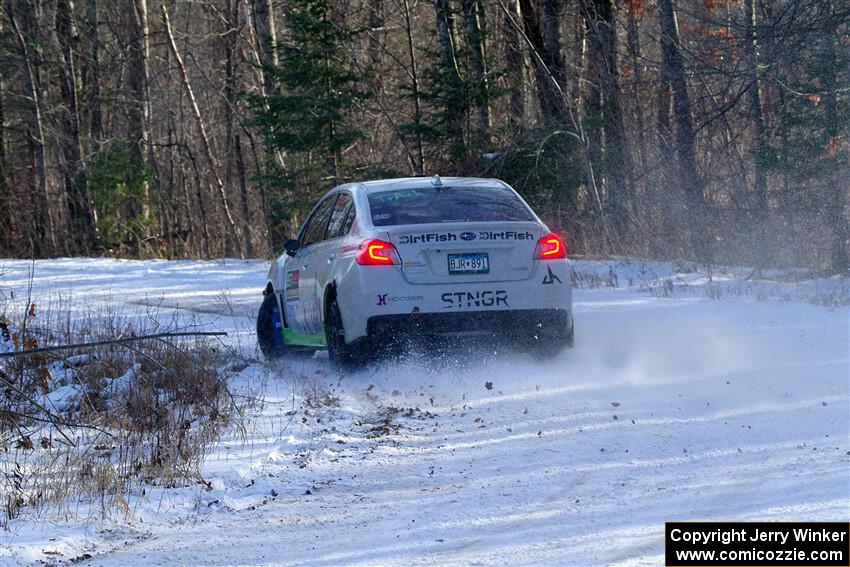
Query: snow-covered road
[[669, 408]]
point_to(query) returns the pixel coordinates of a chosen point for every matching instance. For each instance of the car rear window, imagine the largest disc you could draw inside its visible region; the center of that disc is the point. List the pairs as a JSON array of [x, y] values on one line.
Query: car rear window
[[446, 204]]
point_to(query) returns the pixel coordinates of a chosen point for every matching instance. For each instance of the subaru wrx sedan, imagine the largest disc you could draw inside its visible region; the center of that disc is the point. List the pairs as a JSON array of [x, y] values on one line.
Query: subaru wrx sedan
[[380, 262]]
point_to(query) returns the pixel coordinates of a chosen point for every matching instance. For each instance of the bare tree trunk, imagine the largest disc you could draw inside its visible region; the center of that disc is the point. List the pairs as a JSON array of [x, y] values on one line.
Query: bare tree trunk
[[515, 59], [674, 74], [45, 235], [414, 76], [3, 173], [601, 25], [92, 77], [551, 98], [262, 16], [665, 125], [644, 200], [203, 133], [455, 107], [139, 111], [472, 15], [261, 29], [374, 51], [7, 224], [552, 41], [593, 96], [580, 58], [577, 132], [233, 142], [202, 212], [756, 112], [80, 221], [243, 192], [229, 26], [838, 196], [634, 48]]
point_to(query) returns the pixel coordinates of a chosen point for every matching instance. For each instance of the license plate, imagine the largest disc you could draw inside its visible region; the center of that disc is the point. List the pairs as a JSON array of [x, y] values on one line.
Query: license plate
[[460, 264]]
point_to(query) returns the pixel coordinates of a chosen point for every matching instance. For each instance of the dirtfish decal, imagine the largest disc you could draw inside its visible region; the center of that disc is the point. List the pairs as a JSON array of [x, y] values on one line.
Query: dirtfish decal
[[505, 235], [427, 237]]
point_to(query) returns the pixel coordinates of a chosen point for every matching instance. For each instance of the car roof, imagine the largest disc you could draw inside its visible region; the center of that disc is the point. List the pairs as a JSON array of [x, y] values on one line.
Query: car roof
[[417, 182]]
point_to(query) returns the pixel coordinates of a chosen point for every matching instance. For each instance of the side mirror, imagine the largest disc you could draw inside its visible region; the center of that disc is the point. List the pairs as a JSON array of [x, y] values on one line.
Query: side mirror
[[291, 247]]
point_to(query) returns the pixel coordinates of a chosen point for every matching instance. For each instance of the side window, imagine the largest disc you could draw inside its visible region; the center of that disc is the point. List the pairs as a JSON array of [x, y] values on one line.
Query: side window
[[315, 228], [339, 216], [349, 219]]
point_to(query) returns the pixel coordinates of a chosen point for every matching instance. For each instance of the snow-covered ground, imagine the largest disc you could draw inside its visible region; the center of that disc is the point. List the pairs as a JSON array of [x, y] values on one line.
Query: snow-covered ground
[[690, 395]]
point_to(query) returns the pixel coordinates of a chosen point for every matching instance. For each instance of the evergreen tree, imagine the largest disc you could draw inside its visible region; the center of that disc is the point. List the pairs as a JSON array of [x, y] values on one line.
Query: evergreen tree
[[308, 116]]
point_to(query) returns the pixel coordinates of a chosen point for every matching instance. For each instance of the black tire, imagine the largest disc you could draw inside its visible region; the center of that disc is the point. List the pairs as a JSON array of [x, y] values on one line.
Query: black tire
[[549, 346], [341, 355], [266, 327]]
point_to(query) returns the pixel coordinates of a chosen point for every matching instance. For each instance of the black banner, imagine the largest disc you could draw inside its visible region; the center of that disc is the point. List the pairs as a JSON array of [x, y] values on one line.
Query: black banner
[[762, 544]]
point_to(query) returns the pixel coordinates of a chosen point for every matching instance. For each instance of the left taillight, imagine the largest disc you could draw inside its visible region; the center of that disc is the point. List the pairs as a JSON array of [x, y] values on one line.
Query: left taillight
[[550, 247], [376, 252]]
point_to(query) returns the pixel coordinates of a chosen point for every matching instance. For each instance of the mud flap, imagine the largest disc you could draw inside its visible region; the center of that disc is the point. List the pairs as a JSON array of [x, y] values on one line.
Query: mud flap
[[277, 325]]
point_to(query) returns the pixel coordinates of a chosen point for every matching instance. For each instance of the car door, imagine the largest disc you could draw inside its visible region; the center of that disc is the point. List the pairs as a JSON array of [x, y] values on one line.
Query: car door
[[324, 253], [300, 278]]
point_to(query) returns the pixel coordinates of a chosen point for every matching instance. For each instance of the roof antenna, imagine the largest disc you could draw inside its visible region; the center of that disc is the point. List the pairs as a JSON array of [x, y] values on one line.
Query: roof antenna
[[436, 181]]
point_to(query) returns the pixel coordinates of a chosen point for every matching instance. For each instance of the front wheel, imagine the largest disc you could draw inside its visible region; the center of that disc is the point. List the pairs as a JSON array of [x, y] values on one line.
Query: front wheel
[[270, 327]]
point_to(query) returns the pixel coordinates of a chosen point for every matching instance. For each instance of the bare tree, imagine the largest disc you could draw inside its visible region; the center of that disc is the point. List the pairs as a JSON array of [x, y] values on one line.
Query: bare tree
[[211, 161], [3, 174], [92, 73], [455, 105], [515, 68], [262, 16], [415, 86], [80, 220], [139, 108], [756, 109], [45, 235], [552, 41], [604, 100], [549, 93], [673, 74], [473, 15]]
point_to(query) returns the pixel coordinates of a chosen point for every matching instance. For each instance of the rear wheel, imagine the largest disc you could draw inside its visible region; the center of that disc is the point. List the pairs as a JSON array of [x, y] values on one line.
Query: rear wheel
[[270, 327], [340, 354], [550, 345]]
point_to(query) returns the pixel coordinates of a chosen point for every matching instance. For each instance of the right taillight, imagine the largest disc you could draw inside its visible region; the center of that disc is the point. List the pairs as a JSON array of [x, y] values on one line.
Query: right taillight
[[376, 252], [550, 247]]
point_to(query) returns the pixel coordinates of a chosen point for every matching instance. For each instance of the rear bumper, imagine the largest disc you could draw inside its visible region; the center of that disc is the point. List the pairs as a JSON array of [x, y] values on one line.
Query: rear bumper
[[379, 297], [524, 323]]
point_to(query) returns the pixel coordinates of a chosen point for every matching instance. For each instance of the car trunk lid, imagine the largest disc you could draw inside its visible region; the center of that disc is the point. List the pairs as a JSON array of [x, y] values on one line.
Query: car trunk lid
[[466, 252]]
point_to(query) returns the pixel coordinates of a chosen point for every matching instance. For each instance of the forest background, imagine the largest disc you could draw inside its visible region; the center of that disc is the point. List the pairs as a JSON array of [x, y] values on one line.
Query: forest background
[[715, 130]]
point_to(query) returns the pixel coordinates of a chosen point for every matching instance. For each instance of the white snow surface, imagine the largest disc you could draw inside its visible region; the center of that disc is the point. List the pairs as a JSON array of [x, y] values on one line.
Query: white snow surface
[[690, 395]]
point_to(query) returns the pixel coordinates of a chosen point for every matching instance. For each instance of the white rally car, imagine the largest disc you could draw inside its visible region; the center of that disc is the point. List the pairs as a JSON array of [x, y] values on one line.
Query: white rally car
[[379, 262]]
